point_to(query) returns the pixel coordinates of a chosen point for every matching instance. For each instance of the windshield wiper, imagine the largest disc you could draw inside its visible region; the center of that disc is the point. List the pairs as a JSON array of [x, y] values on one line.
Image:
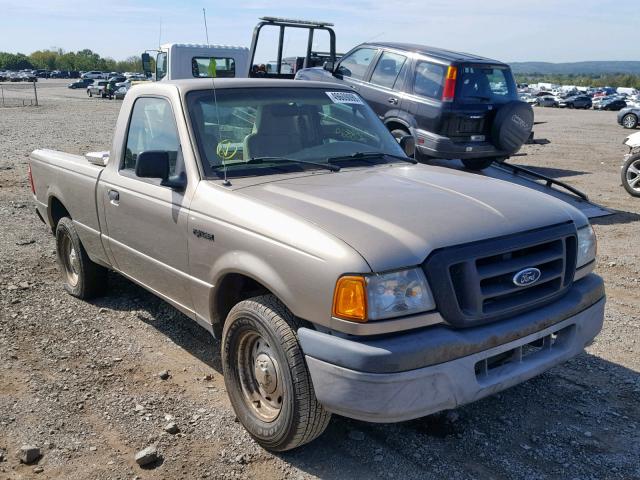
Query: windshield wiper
[[365, 155], [253, 160]]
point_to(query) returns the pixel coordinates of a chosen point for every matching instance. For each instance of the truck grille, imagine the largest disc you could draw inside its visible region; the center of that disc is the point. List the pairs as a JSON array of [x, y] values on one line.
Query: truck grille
[[480, 276]]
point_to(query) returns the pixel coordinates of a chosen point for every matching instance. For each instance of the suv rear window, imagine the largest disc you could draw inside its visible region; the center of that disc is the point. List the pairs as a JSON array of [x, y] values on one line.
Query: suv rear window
[[478, 83], [429, 80]]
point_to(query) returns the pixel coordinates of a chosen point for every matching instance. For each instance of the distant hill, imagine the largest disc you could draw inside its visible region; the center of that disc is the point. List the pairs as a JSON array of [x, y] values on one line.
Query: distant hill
[[577, 68]]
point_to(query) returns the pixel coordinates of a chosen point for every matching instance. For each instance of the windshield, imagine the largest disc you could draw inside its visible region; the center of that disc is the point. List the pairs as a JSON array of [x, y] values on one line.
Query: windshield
[[482, 83], [261, 131]]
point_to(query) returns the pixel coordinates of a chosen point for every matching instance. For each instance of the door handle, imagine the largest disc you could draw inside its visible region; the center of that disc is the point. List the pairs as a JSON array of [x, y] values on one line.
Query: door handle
[[393, 100], [114, 197]]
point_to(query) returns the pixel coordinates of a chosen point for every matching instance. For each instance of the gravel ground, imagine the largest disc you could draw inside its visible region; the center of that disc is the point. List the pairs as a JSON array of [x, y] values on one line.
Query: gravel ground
[[82, 381]]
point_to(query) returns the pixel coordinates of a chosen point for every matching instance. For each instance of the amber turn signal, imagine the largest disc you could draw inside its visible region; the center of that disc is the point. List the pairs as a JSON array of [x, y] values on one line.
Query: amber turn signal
[[350, 299]]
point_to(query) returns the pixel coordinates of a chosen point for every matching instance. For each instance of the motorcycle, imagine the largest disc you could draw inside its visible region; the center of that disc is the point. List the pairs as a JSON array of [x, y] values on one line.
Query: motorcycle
[[631, 166]]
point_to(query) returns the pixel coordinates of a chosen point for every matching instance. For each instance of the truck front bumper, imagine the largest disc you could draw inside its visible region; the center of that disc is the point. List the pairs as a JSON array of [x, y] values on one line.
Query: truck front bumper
[[400, 378]]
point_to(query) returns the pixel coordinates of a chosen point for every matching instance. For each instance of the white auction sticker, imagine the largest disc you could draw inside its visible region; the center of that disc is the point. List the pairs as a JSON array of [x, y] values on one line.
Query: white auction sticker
[[345, 97]]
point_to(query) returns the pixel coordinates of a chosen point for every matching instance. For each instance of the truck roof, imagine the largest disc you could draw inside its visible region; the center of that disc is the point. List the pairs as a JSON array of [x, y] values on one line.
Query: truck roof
[[440, 53], [222, 83], [200, 45]]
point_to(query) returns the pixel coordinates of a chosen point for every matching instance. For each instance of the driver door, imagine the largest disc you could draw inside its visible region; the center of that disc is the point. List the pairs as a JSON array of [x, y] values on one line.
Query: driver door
[[146, 222]]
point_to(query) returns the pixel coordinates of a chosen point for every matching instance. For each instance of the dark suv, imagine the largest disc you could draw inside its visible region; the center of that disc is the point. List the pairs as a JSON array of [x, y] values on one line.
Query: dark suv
[[455, 105]]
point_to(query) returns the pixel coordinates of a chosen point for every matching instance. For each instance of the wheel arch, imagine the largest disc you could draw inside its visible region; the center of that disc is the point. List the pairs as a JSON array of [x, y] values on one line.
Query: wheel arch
[[55, 211]]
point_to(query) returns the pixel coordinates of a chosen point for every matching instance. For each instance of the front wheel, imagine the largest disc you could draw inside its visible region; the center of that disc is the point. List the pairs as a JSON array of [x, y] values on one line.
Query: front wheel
[[266, 376], [631, 175], [630, 121], [477, 164], [89, 93]]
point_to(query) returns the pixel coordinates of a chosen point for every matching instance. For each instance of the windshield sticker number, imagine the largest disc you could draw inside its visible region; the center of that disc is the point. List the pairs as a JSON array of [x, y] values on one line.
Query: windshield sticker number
[[226, 150], [345, 97]]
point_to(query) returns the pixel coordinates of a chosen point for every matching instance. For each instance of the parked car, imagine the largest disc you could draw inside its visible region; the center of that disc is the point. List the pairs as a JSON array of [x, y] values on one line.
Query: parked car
[[455, 105], [547, 101], [82, 83], [117, 79], [576, 101], [94, 75], [614, 104], [120, 93], [430, 287], [629, 117], [97, 88]]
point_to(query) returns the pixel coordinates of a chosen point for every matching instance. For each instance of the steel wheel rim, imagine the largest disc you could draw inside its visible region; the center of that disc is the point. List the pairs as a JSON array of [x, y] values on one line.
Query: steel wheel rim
[[70, 262], [632, 175], [261, 379], [628, 121]]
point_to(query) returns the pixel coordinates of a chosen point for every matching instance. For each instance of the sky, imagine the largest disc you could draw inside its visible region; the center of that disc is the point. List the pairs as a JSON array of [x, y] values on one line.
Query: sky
[[507, 30]]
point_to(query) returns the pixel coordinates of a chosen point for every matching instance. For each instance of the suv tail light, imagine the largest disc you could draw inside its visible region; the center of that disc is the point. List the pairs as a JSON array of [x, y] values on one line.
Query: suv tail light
[[449, 91], [33, 187]]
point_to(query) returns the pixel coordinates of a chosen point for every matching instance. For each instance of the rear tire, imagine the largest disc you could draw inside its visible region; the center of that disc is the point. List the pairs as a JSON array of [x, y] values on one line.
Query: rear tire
[[631, 175], [478, 164], [82, 277], [630, 121], [266, 376]]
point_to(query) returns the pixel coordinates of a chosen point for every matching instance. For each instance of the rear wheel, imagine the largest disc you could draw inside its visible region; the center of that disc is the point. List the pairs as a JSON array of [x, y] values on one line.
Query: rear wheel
[[631, 175], [478, 164], [630, 121], [398, 133], [81, 277], [266, 376]]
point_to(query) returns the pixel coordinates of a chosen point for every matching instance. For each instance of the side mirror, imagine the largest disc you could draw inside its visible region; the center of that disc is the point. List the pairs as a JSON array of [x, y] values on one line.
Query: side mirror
[[408, 144], [146, 64], [153, 164], [329, 66]]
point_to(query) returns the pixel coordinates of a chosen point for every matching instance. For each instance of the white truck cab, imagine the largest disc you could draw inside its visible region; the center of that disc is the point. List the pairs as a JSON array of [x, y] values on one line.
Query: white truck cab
[[176, 61]]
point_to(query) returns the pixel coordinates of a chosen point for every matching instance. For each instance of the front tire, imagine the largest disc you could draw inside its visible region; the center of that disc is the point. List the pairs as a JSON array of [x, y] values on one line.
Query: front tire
[[478, 164], [266, 376], [631, 175], [630, 121], [81, 277]]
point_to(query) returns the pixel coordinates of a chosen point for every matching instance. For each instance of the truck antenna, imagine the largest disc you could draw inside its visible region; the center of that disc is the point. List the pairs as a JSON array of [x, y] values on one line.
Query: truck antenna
[[226, 181]]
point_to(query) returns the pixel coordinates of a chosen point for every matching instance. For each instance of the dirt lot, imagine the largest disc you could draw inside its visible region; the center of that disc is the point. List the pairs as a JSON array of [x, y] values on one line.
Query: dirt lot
[[80, 380]]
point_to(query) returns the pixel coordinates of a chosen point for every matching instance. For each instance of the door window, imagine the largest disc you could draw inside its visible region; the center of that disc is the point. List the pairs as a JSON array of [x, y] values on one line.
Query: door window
[[161, 65], [152, 127], [357, 63], [387, 69]]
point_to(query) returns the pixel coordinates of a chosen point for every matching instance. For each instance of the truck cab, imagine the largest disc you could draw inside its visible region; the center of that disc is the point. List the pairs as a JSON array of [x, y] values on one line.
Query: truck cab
[[175, 61]]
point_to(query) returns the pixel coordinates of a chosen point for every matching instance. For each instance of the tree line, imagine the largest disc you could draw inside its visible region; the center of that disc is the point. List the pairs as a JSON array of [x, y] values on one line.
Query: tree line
[[609, 80], [82, 60]]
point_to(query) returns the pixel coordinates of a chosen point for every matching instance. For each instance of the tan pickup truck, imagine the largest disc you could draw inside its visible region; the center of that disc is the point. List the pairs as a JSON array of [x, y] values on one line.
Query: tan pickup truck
[[341, 276]]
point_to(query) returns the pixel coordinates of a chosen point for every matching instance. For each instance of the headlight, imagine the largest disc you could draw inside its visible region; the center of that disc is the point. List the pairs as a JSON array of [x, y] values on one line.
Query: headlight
[[382, 296], [587, 246]]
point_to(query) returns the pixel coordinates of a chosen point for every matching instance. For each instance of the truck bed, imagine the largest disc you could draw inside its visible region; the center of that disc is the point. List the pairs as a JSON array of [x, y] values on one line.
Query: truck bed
[[69, 180]]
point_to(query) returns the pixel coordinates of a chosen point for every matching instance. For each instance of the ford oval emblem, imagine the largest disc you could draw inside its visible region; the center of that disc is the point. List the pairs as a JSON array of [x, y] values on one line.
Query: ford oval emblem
[[526, 277]]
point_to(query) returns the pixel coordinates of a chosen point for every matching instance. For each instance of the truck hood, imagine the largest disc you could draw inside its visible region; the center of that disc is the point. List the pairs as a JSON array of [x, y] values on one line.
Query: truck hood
[[394, 215]]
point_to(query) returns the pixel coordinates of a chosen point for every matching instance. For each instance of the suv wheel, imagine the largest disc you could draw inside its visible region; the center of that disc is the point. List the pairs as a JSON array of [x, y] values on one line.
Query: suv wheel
[[266, 376], [478, 164], [398, 133], [630, 121]]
